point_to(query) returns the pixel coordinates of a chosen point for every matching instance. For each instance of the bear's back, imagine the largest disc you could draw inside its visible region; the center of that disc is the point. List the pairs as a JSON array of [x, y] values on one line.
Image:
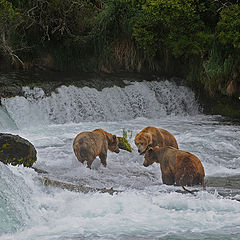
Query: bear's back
[[168, 138]]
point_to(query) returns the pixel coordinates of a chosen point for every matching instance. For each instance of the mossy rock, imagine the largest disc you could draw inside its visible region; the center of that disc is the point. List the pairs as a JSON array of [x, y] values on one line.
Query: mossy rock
[[124, 144], [16, 150]]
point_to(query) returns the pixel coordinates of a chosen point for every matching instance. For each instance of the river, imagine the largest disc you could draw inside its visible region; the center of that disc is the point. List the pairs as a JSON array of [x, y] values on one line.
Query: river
[[142, 207]]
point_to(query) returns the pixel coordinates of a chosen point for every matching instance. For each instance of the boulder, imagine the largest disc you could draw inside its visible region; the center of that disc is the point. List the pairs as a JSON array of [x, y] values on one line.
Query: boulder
[[16, 150]]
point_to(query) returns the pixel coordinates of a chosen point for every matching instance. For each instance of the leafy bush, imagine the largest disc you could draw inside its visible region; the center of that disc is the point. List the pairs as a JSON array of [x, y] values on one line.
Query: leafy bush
[[9, 21], [112, 32], [172, 24], [228, 27]]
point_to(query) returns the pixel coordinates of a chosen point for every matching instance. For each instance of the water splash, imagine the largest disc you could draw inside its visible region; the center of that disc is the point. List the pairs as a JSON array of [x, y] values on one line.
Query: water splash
[[73, 104]]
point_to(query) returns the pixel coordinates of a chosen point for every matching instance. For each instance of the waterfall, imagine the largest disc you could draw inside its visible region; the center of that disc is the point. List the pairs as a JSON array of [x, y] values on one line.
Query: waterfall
[[6, 122], [72, 104]]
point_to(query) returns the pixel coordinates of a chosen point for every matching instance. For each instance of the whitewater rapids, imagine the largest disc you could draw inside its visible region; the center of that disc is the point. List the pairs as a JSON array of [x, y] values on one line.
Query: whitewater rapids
[[144, 208]]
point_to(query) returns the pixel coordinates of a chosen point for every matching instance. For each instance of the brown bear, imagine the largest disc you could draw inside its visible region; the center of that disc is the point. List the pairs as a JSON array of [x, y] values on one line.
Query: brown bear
[[88, 145], [151, 137], [178, 167]]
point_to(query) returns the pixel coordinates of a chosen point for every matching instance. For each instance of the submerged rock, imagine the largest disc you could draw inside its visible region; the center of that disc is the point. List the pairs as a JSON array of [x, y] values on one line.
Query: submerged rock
[[74, 187], [16, 150]]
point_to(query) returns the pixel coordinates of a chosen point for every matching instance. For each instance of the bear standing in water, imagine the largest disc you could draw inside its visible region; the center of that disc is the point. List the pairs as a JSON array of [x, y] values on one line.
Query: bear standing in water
[[88, 145], [178, 167], [151, 137]]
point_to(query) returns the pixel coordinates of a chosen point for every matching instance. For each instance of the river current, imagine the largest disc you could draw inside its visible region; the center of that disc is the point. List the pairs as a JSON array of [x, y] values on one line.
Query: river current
[[142, 207]]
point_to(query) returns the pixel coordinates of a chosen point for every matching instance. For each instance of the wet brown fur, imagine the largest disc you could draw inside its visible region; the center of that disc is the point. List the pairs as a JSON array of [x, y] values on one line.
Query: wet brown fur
[[178, 167], [152, 136], [88, 145]]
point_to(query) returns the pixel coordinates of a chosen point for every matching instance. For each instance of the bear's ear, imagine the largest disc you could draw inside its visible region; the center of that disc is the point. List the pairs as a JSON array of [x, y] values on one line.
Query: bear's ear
[[109, 137]]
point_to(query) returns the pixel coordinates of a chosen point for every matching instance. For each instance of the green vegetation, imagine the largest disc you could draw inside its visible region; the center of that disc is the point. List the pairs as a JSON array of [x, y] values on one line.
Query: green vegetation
[[124, 144], [10, 19], [172, 25], [123, 141], [193, 39]]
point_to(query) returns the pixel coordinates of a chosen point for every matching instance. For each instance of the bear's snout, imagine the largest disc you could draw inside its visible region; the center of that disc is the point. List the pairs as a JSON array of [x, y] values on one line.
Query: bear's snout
[[117, 150], [145, 164]]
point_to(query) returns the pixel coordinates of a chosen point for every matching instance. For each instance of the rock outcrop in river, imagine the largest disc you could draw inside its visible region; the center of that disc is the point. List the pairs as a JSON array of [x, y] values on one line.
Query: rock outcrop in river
[[16, 150]]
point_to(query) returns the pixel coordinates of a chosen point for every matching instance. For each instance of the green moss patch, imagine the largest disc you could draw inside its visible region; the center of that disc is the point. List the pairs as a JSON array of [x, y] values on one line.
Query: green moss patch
[[124, 144]]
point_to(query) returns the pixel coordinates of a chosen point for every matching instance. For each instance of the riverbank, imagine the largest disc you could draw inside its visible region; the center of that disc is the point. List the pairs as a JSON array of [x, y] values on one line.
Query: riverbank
[[219, 104], [12, 82]]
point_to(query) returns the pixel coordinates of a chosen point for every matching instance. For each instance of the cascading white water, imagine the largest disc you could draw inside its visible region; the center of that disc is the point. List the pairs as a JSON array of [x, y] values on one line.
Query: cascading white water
[[5, 120], [14, 200], [72, 104]]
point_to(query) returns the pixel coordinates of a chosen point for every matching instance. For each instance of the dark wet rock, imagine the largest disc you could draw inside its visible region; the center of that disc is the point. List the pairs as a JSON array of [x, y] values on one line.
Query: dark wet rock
[[75, 188], [40, 171], [16, 150], [231, 182], [12, 82]]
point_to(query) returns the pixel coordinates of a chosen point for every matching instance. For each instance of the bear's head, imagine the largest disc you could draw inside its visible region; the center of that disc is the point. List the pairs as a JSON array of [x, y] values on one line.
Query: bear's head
[[150, 156], [113, 143], [143, 141]]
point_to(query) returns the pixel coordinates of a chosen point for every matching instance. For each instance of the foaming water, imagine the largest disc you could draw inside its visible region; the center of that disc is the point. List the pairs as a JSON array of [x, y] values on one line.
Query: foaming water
[[5, 120], [72, 104], [14, 201], [148, 214], [143, 207]]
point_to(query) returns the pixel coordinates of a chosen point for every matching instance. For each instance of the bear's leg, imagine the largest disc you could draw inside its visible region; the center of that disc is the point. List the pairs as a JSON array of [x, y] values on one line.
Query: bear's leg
[[90, 161], [198, 179], [81, 154], [77, 154], [81, 160], [103, 158], [184, 179], [168, 179]]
